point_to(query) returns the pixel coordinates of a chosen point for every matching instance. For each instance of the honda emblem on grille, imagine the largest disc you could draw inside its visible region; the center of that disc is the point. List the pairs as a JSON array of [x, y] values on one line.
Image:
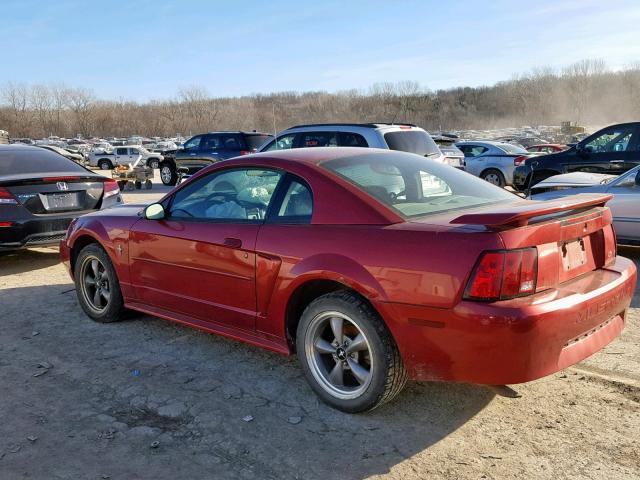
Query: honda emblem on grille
[[62, 186]]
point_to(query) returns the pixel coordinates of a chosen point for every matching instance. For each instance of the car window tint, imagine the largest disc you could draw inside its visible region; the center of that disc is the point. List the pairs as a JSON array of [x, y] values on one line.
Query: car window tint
[[512, 149], [297, 202], [229, 142], [473, 150], [283, 142], [348, 139], [413, 141], [134, 151], [239, 194], [613, 140], [193, 144], [416, 186], [254, 141], [210, 142], [121, 151], [19, 160], [318, 139]]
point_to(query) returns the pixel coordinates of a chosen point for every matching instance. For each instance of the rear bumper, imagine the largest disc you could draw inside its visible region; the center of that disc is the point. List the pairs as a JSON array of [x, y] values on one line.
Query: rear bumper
[[34, 232], [517, 340]]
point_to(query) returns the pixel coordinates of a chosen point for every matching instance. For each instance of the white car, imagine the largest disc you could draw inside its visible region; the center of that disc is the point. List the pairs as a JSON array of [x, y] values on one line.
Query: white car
[[123, 156]]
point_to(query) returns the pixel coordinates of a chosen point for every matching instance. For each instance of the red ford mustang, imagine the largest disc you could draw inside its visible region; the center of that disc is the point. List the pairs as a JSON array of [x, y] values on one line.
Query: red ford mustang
[[374, 266]]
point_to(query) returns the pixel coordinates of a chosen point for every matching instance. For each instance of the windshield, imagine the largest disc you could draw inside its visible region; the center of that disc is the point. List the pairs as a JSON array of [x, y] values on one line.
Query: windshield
[[414, 186], [18, 161], [412, 141], [255, 141]]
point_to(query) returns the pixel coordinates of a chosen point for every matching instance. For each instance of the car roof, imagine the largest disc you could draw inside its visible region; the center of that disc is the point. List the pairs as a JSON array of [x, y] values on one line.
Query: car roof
[[485, 142], [365, 125], [233, 131]]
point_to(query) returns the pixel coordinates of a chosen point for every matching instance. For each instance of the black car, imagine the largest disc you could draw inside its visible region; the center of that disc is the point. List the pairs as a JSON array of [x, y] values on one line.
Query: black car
[[208, 148], [612, 150], [42, 191]]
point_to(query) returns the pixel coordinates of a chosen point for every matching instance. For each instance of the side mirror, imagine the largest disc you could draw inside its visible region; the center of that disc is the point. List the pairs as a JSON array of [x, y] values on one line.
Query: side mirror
[[155, 211]]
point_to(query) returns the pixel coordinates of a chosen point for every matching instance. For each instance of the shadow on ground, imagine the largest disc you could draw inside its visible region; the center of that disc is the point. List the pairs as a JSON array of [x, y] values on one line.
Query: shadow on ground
[[216, 407], [20, 261]]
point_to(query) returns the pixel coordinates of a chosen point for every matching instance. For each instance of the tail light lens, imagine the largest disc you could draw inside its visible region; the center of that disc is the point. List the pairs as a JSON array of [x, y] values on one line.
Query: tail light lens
[[247, 152], [111, 188], [520, 160], [7, 198], [504, 274]]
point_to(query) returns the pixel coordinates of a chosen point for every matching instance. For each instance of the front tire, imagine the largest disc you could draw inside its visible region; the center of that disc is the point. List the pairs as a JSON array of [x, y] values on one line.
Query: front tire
[[153, 163], [97, 285], [347, 353], [168, 174]]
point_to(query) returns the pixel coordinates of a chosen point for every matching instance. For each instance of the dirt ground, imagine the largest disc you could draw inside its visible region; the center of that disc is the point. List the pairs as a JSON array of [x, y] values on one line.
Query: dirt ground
[[147, 398]]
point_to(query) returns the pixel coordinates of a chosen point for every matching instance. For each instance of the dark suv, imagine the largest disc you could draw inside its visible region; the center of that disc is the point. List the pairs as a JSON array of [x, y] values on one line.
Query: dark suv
[[612, 150], [208, 148]]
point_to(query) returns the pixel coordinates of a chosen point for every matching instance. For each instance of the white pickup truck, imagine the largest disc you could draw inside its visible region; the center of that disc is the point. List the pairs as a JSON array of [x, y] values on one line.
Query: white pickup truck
[[123, 156]]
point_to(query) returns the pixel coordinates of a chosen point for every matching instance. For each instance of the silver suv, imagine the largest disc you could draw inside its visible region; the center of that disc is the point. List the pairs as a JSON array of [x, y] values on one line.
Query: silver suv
[[394, 136]]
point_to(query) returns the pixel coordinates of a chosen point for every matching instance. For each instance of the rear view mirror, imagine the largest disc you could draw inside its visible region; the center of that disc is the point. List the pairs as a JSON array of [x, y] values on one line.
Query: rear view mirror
[[155, 211]]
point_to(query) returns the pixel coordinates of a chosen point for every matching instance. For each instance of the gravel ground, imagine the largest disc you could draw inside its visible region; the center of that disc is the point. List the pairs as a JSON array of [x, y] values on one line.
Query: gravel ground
[[146, 398]]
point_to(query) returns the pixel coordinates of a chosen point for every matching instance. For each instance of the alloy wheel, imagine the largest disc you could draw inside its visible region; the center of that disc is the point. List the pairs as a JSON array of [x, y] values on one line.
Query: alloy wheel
[[165, 174], [339, 355], [95, 284], [493, 178]]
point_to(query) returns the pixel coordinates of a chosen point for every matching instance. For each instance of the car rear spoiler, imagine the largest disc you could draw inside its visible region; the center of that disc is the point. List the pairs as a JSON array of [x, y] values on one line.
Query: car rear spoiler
[[519, 214]]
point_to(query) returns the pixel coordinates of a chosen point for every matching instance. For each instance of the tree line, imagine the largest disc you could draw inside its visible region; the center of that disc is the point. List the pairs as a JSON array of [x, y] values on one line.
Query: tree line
[[587, 92]]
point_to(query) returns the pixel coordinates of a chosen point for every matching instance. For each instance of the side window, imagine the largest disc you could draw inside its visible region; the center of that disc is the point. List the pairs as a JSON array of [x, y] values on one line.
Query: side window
[[348, 139], [477, 150], [231, 195], [133, 151], [318, 139], [121, 151], [193, 144], [297, 204], [229, 142], [613, 140], [284, 142], [209, 142]]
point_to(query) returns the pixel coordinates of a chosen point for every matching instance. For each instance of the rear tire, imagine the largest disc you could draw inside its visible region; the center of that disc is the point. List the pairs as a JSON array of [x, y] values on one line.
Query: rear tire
[[97, 285], [347, 353], [494, 177], [168, 174], [105, 165], [153, 163]]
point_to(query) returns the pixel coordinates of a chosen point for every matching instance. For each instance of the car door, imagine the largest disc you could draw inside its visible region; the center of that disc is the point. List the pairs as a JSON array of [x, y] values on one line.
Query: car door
[[613, 150], [122, 155], [473, 157], [625, 205], [200, 259]]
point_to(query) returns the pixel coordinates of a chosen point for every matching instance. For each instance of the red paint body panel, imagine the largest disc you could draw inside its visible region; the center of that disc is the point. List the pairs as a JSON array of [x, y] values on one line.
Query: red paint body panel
[[413, 272]]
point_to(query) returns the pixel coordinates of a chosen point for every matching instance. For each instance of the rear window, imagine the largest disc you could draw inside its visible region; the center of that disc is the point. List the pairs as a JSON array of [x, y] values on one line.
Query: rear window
[[255, 141], [412, 141], [509, 148], [414, 186], [19, 161]]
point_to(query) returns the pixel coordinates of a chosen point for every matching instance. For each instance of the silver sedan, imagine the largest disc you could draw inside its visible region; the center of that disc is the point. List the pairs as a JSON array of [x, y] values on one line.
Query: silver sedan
[[625, 205], [492, 161]]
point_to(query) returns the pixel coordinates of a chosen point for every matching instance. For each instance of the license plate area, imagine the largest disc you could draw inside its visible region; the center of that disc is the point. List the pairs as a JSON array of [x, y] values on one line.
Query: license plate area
[[574, 254], [55, 202]]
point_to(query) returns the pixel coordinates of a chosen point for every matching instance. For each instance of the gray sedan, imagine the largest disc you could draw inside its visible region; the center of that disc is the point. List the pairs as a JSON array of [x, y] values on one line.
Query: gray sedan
[[625, 205], [492, 161]]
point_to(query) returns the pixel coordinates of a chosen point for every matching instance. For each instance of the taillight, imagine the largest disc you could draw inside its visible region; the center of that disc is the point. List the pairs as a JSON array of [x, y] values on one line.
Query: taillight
[[610, 245], [504, 274], [247, 152], [5, 224], [111, 188], [520, 160], [7, 198]]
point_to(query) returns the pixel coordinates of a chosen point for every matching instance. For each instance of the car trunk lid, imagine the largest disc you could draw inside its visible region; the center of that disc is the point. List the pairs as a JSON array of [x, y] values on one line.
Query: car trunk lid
[[572, 235], [56, 194]]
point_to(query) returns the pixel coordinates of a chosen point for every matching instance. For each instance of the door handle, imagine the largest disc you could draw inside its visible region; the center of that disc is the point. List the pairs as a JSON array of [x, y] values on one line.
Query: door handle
[[232, 242]]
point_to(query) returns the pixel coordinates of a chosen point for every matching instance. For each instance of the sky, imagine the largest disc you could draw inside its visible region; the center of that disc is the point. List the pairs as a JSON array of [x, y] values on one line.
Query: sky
[[149, 49]]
